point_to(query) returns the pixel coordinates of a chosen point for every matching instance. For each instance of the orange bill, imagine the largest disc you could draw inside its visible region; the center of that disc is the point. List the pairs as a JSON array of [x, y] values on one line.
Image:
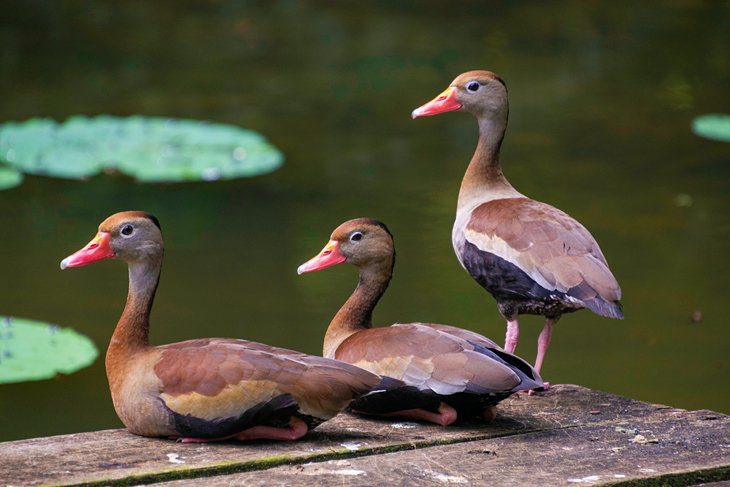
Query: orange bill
[[97, 249], [329, 256], [445, 102]]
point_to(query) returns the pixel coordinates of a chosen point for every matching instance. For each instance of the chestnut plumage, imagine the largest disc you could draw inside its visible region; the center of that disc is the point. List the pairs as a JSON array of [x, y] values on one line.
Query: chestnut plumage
[[212, 388], [448, 372], [531, 257]]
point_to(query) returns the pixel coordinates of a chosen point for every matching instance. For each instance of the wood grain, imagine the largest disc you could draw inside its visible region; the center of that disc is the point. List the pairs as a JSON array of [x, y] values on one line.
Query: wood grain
[[530, 433]]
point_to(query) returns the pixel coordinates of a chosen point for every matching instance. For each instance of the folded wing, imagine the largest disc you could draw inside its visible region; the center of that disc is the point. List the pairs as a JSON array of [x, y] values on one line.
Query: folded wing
[[550, 247], [220, 387]]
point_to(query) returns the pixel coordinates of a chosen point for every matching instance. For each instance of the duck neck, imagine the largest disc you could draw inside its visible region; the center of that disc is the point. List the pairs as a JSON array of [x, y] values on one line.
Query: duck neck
[[356, 314], [132, 332], [484, 179]]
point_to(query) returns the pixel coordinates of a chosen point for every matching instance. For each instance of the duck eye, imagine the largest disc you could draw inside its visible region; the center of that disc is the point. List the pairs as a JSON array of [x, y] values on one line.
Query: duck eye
[[127, 230], [473, 86], [356, 237]]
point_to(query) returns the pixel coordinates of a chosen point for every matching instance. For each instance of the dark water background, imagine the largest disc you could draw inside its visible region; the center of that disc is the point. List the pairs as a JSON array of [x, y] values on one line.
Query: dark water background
[[602, 95]]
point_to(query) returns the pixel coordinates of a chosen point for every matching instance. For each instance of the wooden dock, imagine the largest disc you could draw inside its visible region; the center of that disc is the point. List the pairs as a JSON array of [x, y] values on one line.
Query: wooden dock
[[569, 435]]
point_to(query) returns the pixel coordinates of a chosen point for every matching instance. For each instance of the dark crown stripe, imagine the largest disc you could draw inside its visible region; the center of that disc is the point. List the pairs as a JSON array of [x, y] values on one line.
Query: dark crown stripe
[[378, 223], [154, 220]]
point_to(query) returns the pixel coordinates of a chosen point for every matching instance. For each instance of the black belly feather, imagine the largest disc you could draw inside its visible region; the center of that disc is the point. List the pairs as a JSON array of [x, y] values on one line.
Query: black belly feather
[[515, 291], [397, 399], [467, 404], [275, 412]]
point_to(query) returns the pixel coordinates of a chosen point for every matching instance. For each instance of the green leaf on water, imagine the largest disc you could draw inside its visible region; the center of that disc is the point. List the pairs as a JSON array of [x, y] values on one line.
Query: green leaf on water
[[9, 178], [32, 350], [150, 149], [712, 126]]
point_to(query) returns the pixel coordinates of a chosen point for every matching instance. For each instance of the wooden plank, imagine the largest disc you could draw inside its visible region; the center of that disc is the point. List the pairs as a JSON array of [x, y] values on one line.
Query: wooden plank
[[117, 457], [675, 448]]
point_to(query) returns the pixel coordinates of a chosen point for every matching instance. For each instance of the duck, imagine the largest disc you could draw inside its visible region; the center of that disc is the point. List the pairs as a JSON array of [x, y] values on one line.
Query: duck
[[530, 256], [447, 373], [207, 389]]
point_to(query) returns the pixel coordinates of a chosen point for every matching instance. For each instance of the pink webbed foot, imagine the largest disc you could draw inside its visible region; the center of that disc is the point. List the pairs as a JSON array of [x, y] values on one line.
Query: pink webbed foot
[[296, 429], [198, 440], [445, 416], [532, 392], [545, 387]]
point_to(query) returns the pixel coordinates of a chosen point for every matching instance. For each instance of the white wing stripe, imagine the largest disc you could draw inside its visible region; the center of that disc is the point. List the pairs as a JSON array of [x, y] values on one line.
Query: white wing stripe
[[502, 249]]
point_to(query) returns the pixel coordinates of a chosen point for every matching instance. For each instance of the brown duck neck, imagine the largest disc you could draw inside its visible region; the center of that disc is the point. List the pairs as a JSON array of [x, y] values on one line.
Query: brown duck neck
[[132, 332], [356, 314], [484, 179]]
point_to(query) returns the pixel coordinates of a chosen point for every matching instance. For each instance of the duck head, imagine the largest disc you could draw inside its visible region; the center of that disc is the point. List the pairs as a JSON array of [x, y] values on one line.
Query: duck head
[[130, 236], [362, 242], [481, 93]]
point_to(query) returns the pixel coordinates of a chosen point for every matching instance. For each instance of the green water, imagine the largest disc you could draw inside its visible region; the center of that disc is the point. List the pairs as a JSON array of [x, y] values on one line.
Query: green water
[[602, 97]]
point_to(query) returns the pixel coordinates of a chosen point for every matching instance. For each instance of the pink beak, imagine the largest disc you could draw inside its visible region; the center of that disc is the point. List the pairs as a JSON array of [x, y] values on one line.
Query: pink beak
[[329, 256], [445, 102], [97, 249]]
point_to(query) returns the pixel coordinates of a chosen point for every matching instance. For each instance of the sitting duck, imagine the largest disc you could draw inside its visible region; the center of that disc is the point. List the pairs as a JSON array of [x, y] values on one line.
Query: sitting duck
[[206, 389], [448, 373]]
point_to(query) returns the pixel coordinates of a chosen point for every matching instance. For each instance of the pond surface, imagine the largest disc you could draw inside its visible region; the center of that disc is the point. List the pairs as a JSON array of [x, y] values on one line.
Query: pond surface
[[602, 97]]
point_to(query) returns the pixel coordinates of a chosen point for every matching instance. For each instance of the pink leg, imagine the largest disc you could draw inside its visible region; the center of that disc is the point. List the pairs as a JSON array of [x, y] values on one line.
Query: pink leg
[[513, 334], [296, 429], [543, 341], [444, 417]]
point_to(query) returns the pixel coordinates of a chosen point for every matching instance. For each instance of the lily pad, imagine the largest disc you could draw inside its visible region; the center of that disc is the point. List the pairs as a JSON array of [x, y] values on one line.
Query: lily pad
[[9, 178], [712, 126], [150, 149], [32, 350]]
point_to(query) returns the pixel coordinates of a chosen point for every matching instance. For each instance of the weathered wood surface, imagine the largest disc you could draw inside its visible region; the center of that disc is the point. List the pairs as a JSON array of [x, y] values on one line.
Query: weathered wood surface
[[568, 436], [677, 446]]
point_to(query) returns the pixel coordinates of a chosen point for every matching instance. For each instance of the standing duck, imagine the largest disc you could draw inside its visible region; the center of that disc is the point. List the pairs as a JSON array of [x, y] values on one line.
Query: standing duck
[[530, 256], [211, 388], [448, 372]]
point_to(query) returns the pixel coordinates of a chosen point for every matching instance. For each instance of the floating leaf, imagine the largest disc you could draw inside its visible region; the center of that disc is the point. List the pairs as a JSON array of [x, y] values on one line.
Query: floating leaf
[[712, 126], [32, 350], [151, 149], [9, 178]]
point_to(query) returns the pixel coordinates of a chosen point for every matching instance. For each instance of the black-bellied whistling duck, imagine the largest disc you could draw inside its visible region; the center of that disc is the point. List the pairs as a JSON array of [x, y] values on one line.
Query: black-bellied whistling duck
[[530, 256], [211, 388], [448, 371]]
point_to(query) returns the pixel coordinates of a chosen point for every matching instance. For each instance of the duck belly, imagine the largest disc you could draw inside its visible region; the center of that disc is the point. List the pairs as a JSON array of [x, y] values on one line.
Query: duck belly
[[514, 290], [139, 407], [276, 412]]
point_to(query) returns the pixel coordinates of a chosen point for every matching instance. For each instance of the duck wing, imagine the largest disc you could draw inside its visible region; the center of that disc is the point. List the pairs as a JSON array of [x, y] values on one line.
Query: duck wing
[[429, 359], [551, 252], [218, 387], [468, 335]]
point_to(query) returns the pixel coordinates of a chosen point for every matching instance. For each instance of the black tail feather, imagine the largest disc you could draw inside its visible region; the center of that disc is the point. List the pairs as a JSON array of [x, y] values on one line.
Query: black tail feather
[[609, 309], [395, 399]]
